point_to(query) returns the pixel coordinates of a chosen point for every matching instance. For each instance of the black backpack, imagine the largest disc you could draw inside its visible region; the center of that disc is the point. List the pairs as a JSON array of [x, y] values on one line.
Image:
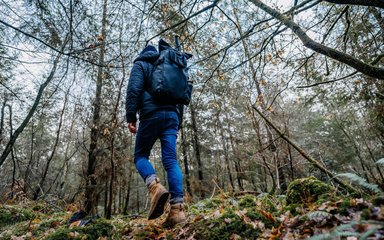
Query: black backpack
[[169, 80]]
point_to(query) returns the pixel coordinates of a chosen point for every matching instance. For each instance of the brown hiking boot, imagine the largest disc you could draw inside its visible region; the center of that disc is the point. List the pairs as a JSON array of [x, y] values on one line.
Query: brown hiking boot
[[158, 197], [176, 214]]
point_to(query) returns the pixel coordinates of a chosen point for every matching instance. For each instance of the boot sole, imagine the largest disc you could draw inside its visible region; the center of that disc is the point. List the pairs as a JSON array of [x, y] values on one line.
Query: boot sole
[[159, 209]]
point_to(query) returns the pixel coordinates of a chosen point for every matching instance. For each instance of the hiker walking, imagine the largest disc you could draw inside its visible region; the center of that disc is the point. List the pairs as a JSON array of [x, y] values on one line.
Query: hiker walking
[[160, 117]]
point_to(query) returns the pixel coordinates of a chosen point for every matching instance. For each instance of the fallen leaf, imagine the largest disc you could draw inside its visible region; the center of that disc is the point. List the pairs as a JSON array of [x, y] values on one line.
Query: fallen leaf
[[234, 236], [216, 214], [268, 216], [36, 220], [227, 220]]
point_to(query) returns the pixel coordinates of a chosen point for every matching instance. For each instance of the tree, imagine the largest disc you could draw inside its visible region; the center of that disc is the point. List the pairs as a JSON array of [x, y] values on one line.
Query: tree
[[91, 191]]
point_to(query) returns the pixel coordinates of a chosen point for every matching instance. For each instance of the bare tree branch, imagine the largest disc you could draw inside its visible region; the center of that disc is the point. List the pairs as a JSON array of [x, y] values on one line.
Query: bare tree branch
[[369, 3], [20, 129], [330, 81], [342, 78], [186, 19], [367, 69], [70, 54]]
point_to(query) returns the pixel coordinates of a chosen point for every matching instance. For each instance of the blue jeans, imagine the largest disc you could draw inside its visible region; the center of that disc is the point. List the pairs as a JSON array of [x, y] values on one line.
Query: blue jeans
[[161, 125]]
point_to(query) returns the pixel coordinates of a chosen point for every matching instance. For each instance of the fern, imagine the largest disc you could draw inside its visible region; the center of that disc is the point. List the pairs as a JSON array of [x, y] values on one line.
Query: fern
[[361, 182], [380, 161], [368, 233], [324, 236], [344, 230], [347, 230]]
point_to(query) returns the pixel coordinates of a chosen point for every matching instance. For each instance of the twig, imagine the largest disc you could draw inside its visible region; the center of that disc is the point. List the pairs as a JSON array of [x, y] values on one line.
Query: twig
[[185, 20], [330, 81]]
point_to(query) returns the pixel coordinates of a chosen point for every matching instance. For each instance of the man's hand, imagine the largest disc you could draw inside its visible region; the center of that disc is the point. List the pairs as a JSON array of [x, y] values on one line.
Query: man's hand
[[132, 127]]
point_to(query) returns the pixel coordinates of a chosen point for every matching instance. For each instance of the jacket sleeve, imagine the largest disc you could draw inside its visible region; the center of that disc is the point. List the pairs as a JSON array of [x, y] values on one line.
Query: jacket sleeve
[[134, 90]]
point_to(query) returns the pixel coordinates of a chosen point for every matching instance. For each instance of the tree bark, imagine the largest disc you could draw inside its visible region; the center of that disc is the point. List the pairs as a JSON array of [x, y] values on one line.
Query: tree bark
[[91, 185], [127, 197], [226, 158], [196, 146], [185, 161], [237, 160], [2, 120], [367, 69], [114, 128]]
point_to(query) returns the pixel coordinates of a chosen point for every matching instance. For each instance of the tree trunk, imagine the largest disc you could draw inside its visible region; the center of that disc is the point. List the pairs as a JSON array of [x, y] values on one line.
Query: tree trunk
[[267, 170], [196, 146], [65, 166], [114, 128], [226, 158], [127, 197], [28, 169], [2, 120], [12, 153], [185, 161], [236, 159], [91, 184]]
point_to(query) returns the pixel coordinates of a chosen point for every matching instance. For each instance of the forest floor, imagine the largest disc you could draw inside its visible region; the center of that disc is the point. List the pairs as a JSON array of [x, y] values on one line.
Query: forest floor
[[223, 216]]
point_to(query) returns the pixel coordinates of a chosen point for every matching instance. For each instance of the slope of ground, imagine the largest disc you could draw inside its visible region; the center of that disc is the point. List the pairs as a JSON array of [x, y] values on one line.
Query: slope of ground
[[221, 217]]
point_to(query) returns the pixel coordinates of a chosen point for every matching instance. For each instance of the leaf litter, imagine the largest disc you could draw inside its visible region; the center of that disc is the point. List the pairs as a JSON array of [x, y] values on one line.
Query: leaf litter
[[221, 217]]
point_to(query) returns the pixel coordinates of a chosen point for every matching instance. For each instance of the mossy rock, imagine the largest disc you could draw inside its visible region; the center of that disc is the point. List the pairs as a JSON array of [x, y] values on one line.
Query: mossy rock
[[64, 234], [98, 228], [92, 231], [307, 190], [10, 215]]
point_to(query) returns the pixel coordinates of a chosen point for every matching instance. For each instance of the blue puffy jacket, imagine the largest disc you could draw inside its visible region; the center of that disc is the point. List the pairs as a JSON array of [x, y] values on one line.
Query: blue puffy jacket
[[138, 100]]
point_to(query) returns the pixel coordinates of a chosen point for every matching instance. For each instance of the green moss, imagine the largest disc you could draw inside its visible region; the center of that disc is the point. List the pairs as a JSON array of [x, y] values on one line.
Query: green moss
[[92, 231], [11, 215], [269, 203], [212, 203], [64, 234], [254, 214], [17, 229], [247, 201], [293, 208], [378, 200], [147, 232], [6, 236], [306, 190], [5, 217], [42, 208], [205, 206], [325, 198], [344, 206], [97, 229], [365, 214], [222, 228]]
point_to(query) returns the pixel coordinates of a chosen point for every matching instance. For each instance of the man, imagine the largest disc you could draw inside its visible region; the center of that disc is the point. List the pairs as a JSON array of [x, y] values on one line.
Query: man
[[158, 120]]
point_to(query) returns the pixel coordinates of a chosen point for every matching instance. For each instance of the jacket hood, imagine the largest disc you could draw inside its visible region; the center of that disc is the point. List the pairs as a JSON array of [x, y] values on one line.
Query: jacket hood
[[148, 54], [163, 45]]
